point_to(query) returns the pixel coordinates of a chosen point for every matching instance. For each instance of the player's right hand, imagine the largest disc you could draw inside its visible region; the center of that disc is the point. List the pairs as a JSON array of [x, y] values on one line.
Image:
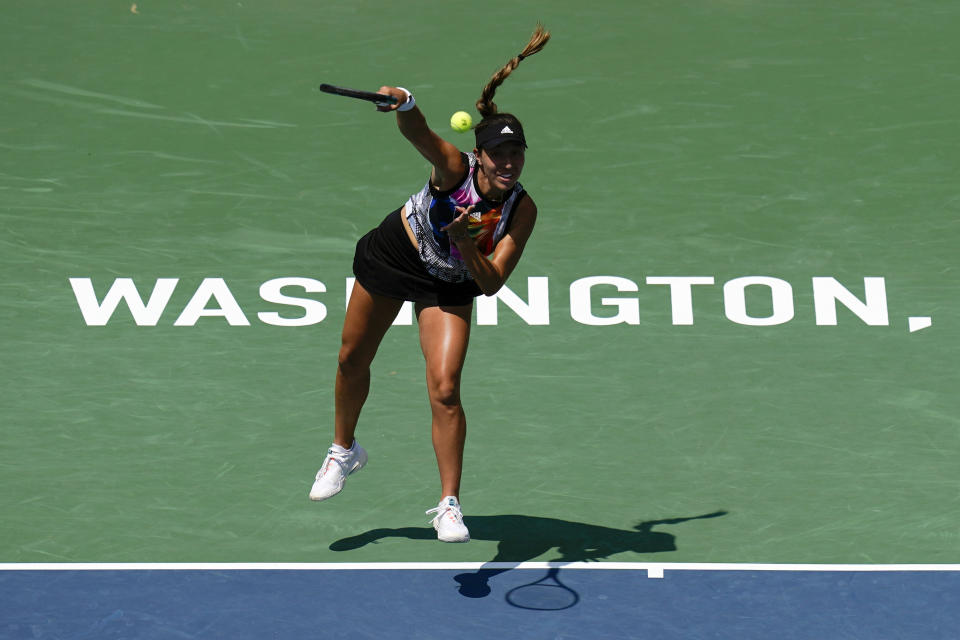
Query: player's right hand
[[396, 93]]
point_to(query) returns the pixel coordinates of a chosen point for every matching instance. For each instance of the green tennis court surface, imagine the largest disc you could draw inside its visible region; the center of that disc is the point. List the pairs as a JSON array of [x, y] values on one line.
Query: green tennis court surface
[[740, 300]]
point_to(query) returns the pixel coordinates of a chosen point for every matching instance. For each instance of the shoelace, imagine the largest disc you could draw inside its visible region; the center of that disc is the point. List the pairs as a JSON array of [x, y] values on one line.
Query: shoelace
[[332, 456], [442, 509]]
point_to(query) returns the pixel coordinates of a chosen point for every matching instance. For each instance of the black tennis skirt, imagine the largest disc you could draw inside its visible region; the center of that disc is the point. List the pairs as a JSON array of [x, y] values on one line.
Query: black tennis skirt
[[386, 263]]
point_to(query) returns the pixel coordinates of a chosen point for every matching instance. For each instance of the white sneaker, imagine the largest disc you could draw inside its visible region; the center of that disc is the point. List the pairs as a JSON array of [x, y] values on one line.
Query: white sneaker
[[449, 521], [336, 467]]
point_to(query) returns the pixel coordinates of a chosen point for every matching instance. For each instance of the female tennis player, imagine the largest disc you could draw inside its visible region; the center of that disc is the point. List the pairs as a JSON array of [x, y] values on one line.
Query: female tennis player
[[458, 237]]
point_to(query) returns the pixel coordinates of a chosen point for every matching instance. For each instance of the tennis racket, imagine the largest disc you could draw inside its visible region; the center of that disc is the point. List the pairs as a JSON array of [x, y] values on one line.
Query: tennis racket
[[369, 96]]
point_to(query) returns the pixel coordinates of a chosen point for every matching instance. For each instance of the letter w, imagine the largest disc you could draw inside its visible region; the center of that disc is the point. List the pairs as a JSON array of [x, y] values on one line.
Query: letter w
[[97, 314]]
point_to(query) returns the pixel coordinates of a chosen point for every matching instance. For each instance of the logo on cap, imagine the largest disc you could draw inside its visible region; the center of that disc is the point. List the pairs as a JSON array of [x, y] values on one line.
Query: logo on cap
[[506, 129]]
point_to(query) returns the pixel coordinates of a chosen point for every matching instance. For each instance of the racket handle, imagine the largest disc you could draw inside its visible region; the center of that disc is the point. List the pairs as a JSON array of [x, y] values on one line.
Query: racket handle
[[370, 96]]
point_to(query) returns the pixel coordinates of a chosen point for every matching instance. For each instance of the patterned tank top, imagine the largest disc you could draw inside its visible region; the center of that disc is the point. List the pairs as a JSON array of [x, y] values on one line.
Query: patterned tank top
[[430, 210]]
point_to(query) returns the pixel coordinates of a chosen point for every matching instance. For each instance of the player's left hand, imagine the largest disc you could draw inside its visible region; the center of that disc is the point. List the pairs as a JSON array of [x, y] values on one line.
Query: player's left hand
[[457, 229]]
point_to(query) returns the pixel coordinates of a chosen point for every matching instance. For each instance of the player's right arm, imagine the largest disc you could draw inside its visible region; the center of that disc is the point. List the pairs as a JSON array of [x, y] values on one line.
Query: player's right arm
[[447, 162]]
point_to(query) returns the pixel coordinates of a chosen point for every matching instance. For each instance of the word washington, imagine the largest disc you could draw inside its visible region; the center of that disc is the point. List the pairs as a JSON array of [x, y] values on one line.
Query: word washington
[[594, 300]]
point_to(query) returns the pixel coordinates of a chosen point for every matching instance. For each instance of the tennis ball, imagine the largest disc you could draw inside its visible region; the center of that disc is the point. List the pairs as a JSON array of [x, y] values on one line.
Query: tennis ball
[[461, 121]]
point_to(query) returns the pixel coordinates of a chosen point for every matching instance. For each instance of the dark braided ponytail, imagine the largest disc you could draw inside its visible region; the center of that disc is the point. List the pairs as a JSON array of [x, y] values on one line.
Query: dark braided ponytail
[[486, 105]]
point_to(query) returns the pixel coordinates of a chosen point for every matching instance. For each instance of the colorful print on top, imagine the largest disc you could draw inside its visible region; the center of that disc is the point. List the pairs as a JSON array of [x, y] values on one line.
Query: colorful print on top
[[482, 225], [429, 211]]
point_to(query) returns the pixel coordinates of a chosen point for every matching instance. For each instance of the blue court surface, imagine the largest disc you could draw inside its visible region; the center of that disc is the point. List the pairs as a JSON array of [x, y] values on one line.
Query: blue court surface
[[470, 600]]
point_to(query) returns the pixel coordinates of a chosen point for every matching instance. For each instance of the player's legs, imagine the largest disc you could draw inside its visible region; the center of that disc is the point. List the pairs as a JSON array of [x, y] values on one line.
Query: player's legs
[[368, 317], [444, 333]]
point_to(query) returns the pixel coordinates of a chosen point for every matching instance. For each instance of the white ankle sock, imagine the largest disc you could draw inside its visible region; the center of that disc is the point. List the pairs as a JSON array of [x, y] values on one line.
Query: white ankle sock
[[338, 449]]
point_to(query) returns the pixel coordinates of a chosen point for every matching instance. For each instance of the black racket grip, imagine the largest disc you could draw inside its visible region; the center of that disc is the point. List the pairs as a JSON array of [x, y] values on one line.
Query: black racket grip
[[369, 96]]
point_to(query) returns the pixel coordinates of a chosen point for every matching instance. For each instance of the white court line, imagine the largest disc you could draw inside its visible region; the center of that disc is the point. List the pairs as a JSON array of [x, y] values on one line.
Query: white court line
[[653, 569]]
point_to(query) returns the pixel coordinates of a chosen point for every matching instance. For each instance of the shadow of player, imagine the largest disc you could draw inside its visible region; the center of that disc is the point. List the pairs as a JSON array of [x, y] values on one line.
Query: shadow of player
[[523, 538]]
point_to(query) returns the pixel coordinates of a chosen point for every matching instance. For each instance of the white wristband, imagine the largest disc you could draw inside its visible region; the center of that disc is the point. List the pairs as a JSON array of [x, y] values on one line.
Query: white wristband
[[409, 104]]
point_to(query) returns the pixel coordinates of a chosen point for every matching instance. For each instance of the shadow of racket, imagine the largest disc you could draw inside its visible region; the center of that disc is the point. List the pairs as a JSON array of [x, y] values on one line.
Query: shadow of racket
[[546, 594]]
